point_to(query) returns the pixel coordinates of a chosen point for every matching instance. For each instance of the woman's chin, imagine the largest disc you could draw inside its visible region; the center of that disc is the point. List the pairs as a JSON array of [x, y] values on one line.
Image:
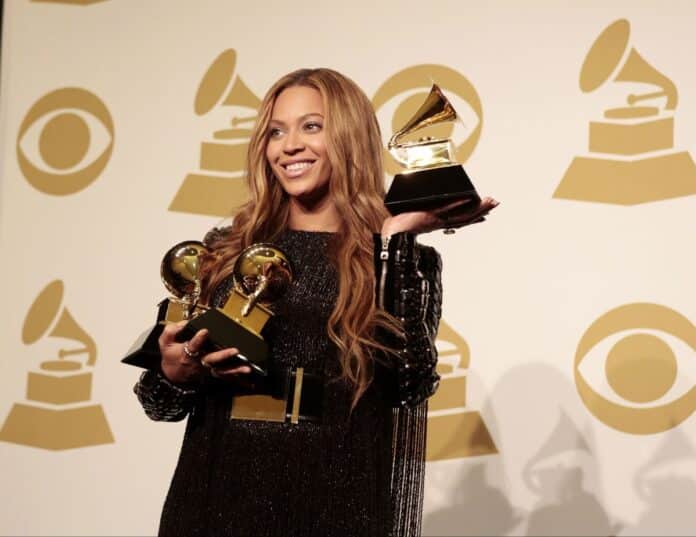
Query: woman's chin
[[307, 196]]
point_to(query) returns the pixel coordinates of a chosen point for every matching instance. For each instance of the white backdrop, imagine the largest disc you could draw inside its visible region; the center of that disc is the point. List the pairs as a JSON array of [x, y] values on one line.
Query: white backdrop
[[526, 448]]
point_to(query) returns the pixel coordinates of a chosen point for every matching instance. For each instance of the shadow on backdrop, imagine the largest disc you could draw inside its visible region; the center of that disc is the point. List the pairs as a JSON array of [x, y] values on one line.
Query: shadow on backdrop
[[478, 505], [667, 484], [529, 415], [560, 475]]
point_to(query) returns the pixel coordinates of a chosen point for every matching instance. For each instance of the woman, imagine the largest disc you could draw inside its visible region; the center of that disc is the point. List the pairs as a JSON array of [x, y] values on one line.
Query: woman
[[359, 319]]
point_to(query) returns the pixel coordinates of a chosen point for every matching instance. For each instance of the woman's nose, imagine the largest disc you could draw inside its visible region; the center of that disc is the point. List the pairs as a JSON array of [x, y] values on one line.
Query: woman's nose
[[293, 142]]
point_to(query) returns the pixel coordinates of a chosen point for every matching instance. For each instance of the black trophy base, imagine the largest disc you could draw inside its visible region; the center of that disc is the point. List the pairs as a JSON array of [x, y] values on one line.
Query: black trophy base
[[224, 333], [145, 352], [428, 189]]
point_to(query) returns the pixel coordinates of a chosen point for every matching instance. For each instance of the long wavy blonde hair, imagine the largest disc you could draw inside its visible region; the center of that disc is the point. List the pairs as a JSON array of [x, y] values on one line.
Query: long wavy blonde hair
[[354, 149]]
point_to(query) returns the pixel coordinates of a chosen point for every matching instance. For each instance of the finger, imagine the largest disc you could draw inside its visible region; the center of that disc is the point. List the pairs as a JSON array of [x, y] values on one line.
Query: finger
[[170, 331], [452, 218], [237, 370], [466, 218], [450, 206], [486, 204], [216, 359], [489, 203], [196, 342]]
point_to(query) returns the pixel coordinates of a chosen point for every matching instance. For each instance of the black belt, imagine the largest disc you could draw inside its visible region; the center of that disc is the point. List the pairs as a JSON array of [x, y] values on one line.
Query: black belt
[[290, 395]]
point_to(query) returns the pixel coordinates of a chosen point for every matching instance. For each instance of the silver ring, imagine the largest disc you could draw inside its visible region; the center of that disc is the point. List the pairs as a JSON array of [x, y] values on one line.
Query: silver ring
[[189, 352]]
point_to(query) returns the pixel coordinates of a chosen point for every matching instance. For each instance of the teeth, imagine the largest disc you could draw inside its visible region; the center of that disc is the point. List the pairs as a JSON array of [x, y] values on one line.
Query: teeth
[[296, 166]]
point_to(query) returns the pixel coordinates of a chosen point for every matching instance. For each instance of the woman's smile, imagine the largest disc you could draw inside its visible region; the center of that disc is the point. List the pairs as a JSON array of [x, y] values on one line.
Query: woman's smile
[[297, 168]]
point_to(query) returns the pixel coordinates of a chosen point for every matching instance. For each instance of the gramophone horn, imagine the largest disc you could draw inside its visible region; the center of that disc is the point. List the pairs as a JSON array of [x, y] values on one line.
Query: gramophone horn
[[67, 328], [636, 69], [605, 57], [42, 312], [241, 95], [435, 109], [41, 316], [213, 88]]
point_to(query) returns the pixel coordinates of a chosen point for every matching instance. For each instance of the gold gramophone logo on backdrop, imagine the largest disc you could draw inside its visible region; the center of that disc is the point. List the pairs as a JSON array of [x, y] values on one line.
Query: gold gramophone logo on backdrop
[[403, 93], [647, 382], [631, 149], [65, 141], [58, 413], [220, 180], [453, 431]]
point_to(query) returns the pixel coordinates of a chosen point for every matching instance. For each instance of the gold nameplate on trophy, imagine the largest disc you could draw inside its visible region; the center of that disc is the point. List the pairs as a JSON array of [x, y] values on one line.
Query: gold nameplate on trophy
[[431, 178]]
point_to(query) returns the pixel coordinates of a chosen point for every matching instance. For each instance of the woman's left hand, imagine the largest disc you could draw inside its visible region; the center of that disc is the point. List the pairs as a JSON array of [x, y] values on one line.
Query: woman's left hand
[[426, 221]]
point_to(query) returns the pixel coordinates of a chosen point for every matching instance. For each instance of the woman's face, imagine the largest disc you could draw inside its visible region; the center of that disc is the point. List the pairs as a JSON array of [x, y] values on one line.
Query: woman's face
[[296, 147]]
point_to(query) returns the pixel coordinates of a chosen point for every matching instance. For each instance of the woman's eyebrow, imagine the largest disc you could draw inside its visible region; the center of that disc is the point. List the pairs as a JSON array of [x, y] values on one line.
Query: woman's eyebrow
[[301, 118]]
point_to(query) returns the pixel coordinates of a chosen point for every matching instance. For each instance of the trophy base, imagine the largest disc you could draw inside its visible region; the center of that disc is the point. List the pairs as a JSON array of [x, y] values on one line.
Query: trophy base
[[428, 189], [145, 352], [223, 333]]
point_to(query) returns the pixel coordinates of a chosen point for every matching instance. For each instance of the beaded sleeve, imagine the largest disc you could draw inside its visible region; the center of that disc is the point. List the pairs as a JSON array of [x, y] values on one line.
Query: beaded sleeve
[[161, 399], [409, 287]]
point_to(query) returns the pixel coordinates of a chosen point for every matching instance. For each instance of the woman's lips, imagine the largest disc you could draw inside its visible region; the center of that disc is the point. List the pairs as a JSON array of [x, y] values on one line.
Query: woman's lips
[[296, 169]]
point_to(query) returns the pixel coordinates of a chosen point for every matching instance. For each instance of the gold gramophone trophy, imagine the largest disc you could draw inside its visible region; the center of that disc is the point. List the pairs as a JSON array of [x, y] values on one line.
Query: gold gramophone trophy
[[432, 178], [179, 271], [261, 275]]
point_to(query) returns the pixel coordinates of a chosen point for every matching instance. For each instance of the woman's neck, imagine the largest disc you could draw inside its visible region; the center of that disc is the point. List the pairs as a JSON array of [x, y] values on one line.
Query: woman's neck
[[321, 217]]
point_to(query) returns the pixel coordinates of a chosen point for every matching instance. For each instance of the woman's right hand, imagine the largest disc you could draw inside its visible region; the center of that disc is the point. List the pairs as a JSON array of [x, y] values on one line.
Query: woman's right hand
[[182, 363]]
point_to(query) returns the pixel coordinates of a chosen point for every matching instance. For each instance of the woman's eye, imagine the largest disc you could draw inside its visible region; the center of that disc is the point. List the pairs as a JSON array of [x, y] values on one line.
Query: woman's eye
[[313, 127], [274, 133]]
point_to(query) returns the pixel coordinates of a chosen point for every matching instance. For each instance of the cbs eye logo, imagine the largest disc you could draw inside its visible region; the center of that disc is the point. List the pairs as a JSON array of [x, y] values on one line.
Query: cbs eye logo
[[65, 141], [648, 374]]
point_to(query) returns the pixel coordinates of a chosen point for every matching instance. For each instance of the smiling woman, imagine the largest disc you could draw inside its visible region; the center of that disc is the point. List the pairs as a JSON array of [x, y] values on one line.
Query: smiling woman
[[297, 152], [351, 342]]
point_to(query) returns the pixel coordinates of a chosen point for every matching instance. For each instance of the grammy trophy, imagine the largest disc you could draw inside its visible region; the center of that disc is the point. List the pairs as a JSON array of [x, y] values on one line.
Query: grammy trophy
[[261, 274], [432, 178]]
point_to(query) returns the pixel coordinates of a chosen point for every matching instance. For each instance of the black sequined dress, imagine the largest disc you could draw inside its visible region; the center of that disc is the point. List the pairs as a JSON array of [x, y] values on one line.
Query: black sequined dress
[[351, 474]]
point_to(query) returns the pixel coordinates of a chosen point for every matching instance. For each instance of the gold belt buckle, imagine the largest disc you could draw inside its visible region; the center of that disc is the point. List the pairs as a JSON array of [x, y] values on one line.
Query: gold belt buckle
[[267, 408], [297, 396]]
